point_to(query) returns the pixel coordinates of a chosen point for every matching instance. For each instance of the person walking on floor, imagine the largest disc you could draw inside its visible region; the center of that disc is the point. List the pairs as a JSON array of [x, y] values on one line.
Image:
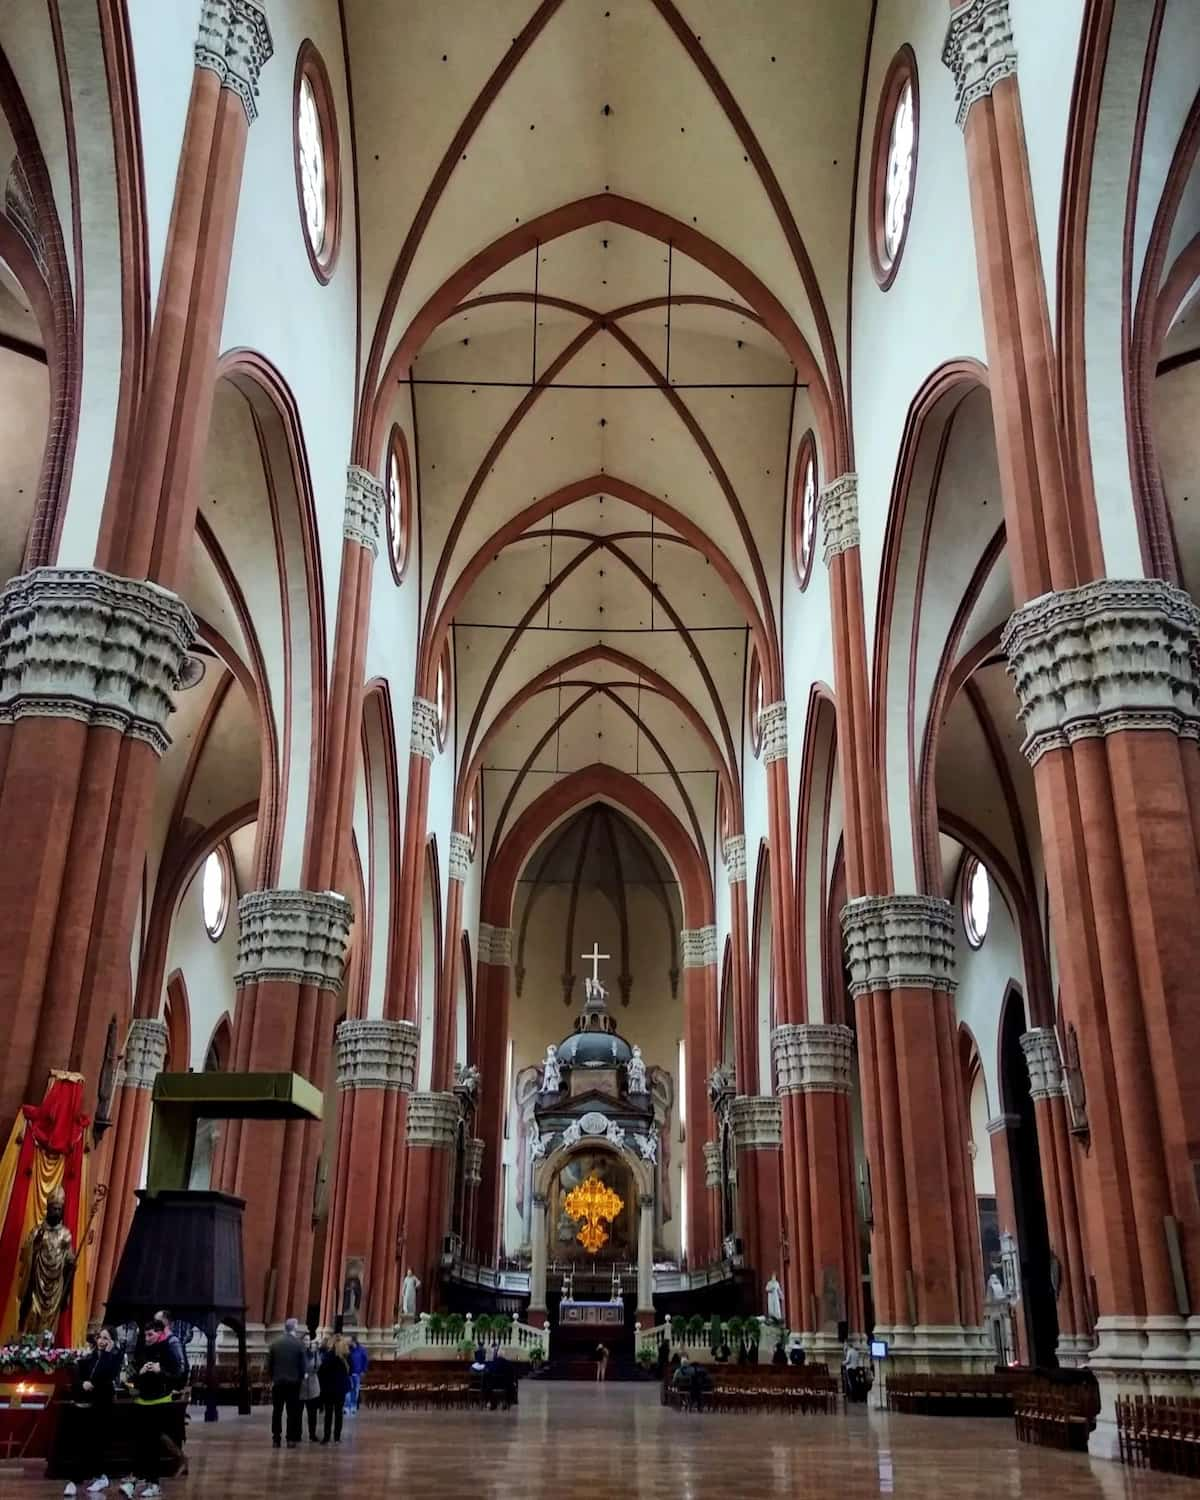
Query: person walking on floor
[[359, 1360], [160, 1373], [286, 1367], [310, 1391], [602, 1362], [334, 1375], [82, 1433]]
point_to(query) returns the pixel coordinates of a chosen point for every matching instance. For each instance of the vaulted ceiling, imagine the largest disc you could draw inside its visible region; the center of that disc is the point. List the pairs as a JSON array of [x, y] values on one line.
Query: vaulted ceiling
[[605, 260]]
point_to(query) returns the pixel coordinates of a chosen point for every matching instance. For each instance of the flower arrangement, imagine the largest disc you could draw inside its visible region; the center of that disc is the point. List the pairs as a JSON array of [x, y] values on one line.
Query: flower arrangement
[[30, 1357]]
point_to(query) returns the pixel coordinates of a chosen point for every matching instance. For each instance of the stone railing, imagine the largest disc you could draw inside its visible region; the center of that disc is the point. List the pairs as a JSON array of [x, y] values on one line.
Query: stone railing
[[426, 1340], [699, 1346]]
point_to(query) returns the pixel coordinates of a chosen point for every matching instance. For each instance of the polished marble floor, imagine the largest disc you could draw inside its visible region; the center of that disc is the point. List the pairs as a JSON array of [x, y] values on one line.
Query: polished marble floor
[[585, 1442]]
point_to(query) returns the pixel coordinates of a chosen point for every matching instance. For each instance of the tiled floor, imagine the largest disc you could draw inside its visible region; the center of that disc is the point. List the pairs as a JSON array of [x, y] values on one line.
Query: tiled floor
[[575, 1442]]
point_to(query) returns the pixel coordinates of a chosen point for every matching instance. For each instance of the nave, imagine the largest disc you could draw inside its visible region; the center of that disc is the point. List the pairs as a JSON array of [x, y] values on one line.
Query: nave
[[571, 1441]]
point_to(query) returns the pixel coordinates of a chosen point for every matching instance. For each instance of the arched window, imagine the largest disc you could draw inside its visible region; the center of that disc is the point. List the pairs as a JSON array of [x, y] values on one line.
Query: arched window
[[442, 697], [976, 896], [756, 704], [215, 886], [894, 166], [315, 145], [804, 509], [472, 829], [399, 503]]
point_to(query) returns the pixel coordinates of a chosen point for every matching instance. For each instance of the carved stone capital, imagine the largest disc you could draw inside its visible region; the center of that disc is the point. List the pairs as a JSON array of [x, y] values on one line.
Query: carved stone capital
[[772, 725], [698, 946], [364, 509], [473, 1162], [645, 1201], [757, 1122], [540, 1201], [377, 1055], [234, 42], [77, 643], [979, 51], [299, 936], [423, 740], [1112, 655], [432, 1120], [145, 1053], [839, 510], [460, 857], [712, 1164], [1001, 1123], [899, 942], [495, 945], [1044, 1061], [735, 857], [813, 1059]]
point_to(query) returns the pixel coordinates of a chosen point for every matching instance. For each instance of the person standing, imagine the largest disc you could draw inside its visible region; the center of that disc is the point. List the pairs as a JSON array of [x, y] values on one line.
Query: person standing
[[334, 1375], [359, 1360], [157, 1377], [310, 1392], [82, 1433], [602, 1362], [286, 1367]]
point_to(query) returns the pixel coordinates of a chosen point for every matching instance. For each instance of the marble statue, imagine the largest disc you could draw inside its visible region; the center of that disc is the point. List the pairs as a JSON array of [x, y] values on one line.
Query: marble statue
[[467, 1079], [774, 1299], [648, 1146], [551, 1071], [615, 1135], [538, 1142], [995, 1289], [409, 1288], [635, 1070], [572, 1133], [47, 1267]]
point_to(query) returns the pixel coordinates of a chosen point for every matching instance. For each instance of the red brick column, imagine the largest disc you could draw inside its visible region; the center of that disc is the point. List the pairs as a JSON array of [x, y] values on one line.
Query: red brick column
[[492, 994], [376, 1067], [444, 1042], [744, 1029], [1076, 1335], [758, 1138], [813, 1071], [699, 949], [430, 1136], [1112, 742], [901, 955]]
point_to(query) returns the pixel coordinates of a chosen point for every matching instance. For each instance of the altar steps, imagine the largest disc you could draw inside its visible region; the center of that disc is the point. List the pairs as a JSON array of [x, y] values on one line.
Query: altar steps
[[567, 1368]]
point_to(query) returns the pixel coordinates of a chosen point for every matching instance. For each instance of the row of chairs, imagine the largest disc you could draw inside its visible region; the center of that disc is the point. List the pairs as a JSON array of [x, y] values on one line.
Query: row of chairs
[[1160, 1432], [1055, 1416], [434, 1386], [743, 1390], [953, 1395]]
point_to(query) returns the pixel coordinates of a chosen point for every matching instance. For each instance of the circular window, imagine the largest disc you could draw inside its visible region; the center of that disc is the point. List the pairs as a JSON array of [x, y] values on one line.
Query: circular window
[[894, 166], [315, 144], [756, 704], [976, 901], [215, 885], [399, 503], [804, 509], [441, 697]]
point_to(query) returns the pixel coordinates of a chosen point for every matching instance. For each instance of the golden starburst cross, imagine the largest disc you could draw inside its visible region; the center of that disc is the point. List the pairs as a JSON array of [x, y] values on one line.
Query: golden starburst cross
[[593, 1201]]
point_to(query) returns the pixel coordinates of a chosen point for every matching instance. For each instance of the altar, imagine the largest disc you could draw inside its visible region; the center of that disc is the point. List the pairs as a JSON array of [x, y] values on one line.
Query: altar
[[591, 1314]]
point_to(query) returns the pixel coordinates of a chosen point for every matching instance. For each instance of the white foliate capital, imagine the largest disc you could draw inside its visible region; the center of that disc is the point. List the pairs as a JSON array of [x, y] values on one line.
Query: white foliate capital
[[757, 1122], [423, 740], [78, 643], [295, 936], [377, 1055], [698, 946], [473, 1162], [839, 511], [461, 855], [1112, 655], [772, 725], [979, 51], [1044, 1061], [432, 1120], [364, 509], [234, 42], [712, 1164], [813, 1059], [735, 857], [145, 1053], [899, 942], [495, 945]]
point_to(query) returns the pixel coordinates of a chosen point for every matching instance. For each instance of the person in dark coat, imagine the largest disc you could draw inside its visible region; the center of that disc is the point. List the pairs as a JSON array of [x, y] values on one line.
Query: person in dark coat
[[334, 1375], [286, 1367], [157, 1376], [82, 1432]]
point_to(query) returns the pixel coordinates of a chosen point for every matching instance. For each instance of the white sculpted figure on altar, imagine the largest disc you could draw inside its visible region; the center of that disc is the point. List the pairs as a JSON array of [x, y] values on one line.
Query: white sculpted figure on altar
[[648, 1146], [635, 1068], [537, 1141], [409, 1288], [774, 1299], [551, 1071], [614, 1134], [572, 1133]]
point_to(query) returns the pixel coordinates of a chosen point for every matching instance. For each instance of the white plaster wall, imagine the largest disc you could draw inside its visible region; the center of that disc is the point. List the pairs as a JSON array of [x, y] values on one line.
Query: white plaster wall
[[207, 967], [983, 978], [985, 1176]]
